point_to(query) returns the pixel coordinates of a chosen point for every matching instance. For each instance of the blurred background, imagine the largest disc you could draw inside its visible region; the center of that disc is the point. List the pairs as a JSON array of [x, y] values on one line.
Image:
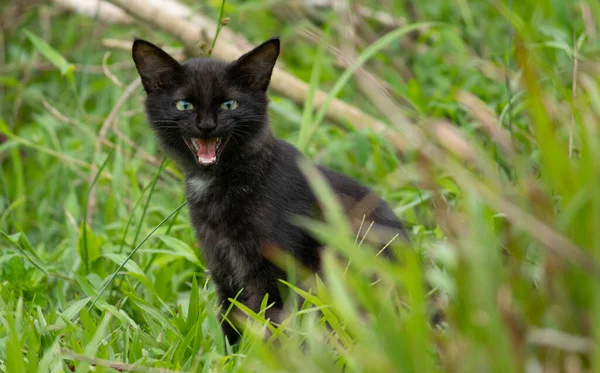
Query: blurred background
[[476, 120]]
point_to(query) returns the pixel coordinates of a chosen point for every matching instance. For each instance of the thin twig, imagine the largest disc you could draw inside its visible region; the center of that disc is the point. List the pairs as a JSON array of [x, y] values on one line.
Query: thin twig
[[121, 367], [588, 20], [107, 72], [63, 118], [560, 340], [57, 114], [139, 151], [486, 116]]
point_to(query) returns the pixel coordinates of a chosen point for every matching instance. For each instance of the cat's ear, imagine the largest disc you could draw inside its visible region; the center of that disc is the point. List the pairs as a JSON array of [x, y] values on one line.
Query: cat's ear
[[156, 68], [255, 67]]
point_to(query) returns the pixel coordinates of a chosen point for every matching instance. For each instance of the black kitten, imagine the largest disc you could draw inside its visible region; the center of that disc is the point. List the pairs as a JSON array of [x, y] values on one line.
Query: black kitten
[[243, 186]]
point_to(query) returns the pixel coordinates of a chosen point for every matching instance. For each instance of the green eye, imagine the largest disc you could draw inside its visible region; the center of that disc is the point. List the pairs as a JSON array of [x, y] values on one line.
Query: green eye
[[184, 105], [229, 105]]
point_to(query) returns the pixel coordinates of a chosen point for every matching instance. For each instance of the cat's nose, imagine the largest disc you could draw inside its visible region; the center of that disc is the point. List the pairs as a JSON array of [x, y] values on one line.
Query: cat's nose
[[207, 125]]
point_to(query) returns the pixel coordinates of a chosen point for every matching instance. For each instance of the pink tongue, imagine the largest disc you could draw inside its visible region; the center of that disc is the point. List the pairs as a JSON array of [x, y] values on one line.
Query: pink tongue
[[206, 149]]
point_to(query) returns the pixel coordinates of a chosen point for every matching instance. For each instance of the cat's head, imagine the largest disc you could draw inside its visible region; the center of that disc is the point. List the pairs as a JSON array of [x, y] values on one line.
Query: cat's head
[[204, 110]]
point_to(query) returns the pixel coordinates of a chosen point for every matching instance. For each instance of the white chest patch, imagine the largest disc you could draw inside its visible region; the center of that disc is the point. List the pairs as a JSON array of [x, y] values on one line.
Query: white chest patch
[[197, 187]]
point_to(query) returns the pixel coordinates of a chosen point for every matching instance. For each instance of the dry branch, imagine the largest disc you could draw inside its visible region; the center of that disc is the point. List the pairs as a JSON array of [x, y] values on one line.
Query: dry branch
[[484, 115], [177, 53], [105, 11], [560, 340]]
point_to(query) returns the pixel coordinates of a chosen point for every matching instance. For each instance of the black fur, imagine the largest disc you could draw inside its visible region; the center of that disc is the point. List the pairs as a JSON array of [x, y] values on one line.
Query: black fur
[[244, 202]]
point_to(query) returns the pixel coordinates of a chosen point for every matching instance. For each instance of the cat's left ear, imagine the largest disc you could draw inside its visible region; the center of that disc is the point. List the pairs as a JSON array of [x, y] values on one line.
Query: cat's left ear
[[255, 67], [156, 68]]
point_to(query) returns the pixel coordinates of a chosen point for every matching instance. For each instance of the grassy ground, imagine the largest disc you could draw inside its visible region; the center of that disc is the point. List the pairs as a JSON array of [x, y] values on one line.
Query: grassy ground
[[498, 184]]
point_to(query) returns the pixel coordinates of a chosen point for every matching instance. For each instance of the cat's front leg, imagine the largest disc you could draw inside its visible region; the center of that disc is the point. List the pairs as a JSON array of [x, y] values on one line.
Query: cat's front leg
[[225, 291], [259, 283]]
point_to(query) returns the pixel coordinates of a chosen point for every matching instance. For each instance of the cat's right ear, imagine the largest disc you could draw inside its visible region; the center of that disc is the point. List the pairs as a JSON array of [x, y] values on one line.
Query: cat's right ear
[[155, 66]]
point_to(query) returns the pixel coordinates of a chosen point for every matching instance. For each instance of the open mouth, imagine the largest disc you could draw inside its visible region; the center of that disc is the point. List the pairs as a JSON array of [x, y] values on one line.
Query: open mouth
[[205, 151]]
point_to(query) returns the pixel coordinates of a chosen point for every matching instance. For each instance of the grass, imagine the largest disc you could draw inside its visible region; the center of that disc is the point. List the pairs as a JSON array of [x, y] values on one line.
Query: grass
[[498, 104]]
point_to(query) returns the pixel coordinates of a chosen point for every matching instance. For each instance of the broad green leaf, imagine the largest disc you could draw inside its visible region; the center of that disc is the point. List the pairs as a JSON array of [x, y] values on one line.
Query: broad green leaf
[[119, 259], [181, 248], [50, 53], [72, 312]]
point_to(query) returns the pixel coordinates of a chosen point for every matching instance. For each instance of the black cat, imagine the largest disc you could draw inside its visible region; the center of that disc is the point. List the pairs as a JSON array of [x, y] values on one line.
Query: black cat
[[243, 185]]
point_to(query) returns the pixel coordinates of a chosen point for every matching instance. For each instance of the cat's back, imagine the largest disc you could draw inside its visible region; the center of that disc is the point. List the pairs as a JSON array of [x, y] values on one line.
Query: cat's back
[[356, 199], [354, 196]]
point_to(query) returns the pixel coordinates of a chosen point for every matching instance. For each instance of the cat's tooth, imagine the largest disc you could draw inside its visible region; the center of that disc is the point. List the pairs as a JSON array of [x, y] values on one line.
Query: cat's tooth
[[191, 141]]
